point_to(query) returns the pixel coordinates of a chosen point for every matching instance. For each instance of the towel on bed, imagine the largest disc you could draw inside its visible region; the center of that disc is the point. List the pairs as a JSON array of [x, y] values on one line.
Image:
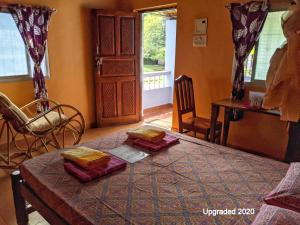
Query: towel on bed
[[167, 141], [86, 157], [86, 175], [147, 134]]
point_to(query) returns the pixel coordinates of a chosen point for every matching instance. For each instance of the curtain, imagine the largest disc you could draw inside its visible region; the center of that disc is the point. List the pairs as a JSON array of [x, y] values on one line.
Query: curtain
[[247, 23], [32, 23]]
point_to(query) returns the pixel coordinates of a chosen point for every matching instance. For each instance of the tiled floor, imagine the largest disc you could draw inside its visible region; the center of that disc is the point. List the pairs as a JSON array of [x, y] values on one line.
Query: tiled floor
[[161, 116], [165, 121], [7, 214]]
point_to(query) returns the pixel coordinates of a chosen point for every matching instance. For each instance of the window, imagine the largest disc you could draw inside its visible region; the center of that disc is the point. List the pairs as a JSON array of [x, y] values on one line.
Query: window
[[15, 63], [257, 64]]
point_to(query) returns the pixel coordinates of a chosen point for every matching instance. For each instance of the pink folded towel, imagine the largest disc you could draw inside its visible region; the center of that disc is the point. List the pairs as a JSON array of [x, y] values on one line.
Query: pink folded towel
[[167, 141], [86, 175]]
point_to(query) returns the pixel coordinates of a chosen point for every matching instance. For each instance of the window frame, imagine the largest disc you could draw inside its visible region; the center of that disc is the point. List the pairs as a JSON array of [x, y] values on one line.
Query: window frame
[[253, 81], [29, 76]]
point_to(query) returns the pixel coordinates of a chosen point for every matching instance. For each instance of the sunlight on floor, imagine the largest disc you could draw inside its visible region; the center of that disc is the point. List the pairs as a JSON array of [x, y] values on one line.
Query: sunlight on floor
[[163, 121]]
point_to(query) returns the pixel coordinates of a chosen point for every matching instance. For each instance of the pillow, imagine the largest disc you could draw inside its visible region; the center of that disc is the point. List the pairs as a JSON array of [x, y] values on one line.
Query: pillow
[[287, 193], [272, 215]]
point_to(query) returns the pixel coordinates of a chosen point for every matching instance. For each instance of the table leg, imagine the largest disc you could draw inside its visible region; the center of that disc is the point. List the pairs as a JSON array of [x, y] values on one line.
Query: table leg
[[215, 109], [8, 142], [293, 153], [226, 126]]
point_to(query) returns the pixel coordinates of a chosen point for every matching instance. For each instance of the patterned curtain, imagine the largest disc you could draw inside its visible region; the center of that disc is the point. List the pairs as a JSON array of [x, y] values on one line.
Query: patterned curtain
[[247, 22], [32, 23]]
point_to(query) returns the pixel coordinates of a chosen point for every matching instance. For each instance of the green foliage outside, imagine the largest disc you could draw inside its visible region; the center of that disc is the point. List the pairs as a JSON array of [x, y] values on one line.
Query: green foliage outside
[[153, 68], [154, 37]]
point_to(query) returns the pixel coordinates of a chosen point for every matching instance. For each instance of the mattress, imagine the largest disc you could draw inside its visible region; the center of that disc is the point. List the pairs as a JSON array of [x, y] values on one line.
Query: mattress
[[184, 184]]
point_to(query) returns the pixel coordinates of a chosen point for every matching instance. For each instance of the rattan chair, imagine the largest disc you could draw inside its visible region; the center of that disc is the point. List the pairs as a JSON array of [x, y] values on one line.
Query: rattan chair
[[37, 130]]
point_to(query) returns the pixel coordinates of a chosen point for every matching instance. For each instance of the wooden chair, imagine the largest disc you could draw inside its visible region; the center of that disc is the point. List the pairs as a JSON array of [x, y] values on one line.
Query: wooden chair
[[186, 104]]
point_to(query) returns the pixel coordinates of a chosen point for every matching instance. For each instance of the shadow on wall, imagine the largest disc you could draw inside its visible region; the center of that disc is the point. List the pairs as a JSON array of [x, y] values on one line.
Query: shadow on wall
[[88, 50], [87, 43]]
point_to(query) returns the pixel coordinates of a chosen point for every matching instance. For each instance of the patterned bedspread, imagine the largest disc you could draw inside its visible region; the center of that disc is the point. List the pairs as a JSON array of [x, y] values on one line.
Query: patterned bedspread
[[177, 186]]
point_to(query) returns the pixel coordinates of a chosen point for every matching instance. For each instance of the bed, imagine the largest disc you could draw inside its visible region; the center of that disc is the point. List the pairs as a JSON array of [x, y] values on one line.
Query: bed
[[176, 186]]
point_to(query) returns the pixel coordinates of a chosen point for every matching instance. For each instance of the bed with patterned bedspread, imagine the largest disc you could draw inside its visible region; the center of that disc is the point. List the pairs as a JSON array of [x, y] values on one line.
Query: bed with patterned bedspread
[[176, 186]]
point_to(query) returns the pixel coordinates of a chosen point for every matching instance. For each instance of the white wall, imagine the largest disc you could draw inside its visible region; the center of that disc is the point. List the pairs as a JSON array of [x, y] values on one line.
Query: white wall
[[157, 97], [170, 48]]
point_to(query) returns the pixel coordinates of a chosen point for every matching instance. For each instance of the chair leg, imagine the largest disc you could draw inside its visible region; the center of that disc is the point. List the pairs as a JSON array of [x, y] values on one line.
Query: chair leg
[[44, 143], [218, 139], [180, 129], [55, 141], [194, 133], [207, 135]]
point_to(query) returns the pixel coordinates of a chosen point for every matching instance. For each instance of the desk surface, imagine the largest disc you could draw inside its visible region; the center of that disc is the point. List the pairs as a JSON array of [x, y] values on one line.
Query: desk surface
[[242, 105]]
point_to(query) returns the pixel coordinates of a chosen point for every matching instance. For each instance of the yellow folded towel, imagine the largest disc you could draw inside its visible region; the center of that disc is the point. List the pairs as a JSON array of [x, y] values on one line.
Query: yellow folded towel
[[86, 157], [147, 134]]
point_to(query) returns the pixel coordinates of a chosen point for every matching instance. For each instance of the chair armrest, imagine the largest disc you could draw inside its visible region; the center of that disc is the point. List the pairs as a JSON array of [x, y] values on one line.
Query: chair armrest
[[32, 113], [60, 110], [38, 101]]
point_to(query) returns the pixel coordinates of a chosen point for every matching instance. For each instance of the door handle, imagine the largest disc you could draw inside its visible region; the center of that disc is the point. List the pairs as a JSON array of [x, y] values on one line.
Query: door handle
[[99, 62]]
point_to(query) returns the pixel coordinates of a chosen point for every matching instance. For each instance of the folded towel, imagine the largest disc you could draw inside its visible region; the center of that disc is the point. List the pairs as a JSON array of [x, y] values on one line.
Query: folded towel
[[152, 135], [86, 175], [86, 157], [167, 141]]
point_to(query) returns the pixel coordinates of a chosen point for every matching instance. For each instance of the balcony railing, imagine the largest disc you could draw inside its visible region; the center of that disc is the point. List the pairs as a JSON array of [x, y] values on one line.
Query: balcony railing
[[157, 80]]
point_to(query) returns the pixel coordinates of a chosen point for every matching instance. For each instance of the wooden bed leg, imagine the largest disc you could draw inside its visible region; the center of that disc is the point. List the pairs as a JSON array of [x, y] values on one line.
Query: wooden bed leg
[[20, 204]]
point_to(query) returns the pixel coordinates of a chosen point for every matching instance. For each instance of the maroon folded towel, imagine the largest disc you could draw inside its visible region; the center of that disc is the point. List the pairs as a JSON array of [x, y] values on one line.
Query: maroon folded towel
[[165, 142], [86, 175]]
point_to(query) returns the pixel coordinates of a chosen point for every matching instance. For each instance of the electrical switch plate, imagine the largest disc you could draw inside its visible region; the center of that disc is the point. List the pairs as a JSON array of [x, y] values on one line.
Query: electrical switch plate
[[201, 26], [200, 40]]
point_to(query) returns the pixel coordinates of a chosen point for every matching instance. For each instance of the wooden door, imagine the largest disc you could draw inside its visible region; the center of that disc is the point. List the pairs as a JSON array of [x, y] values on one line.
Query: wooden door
[[117, 67]]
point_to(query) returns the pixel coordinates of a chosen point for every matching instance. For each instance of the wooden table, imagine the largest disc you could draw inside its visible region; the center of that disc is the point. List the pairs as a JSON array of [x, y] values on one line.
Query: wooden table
[[228, 105]]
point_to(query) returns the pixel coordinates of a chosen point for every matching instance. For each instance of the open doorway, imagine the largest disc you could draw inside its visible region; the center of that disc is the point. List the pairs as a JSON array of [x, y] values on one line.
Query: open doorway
[[158, 65]]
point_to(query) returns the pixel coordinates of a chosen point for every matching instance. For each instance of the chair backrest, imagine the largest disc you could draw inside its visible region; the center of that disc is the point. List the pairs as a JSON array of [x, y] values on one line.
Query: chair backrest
[[10, 112], [185, 95]]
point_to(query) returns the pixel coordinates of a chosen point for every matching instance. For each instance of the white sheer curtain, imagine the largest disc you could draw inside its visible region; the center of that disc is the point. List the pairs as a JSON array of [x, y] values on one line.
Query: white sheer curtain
[[13, 59]]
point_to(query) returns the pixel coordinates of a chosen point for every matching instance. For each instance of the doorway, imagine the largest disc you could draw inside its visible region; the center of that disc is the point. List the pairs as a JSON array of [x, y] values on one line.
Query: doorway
[[158, 65]]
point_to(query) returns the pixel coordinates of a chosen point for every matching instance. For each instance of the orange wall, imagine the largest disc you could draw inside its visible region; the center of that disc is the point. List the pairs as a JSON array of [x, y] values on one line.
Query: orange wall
[[70, 58], [71, 65], [211, 68]]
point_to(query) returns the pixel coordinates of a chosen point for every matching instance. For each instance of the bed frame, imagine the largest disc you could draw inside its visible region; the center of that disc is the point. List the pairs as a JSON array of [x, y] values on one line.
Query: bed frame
[[26, 202]]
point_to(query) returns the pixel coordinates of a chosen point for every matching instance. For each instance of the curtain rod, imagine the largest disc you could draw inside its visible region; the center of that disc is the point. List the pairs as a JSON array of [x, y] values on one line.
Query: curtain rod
[[6, 6], [2, 5], [292, 2], [155, 8], [228, 5]]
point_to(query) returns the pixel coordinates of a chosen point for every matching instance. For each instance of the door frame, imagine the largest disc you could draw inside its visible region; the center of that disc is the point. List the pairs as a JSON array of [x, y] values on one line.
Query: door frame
[[140, 12]]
